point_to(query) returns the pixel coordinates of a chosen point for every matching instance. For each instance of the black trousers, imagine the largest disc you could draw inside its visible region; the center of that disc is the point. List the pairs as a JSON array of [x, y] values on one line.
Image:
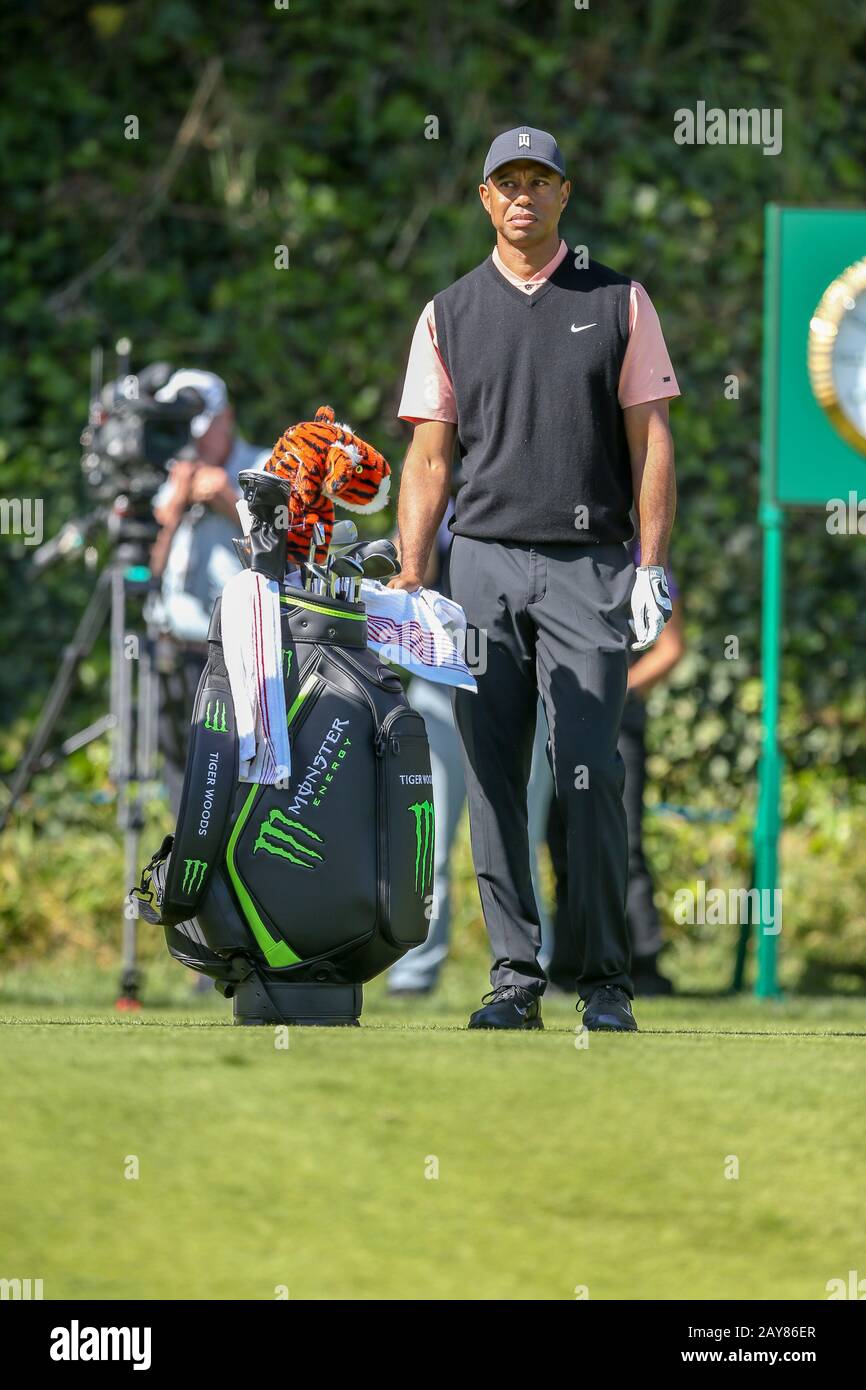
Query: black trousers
[[643, 919], [551, 619]]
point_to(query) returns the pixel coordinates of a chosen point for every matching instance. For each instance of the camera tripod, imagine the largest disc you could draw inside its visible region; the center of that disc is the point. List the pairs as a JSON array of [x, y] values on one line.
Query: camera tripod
[[132, 721]]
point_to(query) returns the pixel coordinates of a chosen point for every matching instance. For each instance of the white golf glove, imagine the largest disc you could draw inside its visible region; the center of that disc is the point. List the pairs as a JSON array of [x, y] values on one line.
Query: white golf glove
[[650, 605]]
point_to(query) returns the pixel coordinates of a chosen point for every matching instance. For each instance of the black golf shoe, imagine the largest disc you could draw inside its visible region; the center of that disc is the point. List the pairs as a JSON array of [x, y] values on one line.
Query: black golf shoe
[[509, 1006], [608, 1010]]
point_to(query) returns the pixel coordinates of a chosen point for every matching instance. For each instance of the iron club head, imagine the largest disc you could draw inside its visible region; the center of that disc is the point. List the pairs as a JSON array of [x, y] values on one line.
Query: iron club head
[[317, 539], [343, 567], [344, 534]]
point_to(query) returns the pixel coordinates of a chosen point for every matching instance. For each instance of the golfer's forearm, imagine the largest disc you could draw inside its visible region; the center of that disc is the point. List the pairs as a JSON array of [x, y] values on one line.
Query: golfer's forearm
[[424, 491], [655, 494]]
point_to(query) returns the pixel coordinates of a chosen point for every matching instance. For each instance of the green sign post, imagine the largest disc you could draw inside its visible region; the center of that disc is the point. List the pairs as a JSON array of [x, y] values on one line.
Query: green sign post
[[813, 434]]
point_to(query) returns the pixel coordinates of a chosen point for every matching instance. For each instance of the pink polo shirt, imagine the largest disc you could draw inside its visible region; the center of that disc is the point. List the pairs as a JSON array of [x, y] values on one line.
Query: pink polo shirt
[[646, 373]]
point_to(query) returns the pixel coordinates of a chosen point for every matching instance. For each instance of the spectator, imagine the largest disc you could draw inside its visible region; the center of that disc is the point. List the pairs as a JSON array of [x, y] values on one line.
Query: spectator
[[418, 971], [193, 553]]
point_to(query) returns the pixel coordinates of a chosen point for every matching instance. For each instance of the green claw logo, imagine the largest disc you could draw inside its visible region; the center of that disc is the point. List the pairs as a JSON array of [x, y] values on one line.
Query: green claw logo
[[424, 839], [193, 875], [284, 837], [288, 663], [216, 722]]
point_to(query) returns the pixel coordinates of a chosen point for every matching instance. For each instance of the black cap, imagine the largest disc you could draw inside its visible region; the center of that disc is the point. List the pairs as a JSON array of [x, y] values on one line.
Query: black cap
[[524, 142]]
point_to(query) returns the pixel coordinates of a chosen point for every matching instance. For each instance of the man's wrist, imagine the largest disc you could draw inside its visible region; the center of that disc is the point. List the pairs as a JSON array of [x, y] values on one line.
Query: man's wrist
[[408, 566], [232, 497], [175, 511]]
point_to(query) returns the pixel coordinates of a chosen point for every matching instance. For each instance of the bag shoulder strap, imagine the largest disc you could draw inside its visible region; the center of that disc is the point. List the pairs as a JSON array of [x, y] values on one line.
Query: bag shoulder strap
[[206, 802], [142, 893]]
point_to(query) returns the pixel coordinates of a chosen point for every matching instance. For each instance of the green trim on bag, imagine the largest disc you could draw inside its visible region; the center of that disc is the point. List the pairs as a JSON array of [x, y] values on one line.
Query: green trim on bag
[[299, 699], [331, 612], [276, 953]]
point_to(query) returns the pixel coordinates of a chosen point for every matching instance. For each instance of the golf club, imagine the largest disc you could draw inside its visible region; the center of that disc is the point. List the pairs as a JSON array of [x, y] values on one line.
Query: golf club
[[378, 547], [318, 579], [378, 560], [316, 539], [342, 567], [344, 535]]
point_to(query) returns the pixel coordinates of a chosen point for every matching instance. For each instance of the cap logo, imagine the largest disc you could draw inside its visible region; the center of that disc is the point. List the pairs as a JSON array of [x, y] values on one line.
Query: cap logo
[[523, 140]]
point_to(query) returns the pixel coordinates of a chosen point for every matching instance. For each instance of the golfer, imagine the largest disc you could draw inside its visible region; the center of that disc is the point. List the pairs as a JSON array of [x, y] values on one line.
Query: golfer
[[551, 372]]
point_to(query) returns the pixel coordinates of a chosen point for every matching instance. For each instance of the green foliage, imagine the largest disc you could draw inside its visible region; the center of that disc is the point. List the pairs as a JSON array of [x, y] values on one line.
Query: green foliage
[[314, 138]]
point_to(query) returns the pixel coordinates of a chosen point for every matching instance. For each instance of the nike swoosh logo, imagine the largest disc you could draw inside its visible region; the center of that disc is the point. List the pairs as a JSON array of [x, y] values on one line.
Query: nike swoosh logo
[[583, 327]]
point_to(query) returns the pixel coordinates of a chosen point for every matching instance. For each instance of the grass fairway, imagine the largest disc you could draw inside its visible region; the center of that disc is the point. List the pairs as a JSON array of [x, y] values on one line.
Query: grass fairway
[[558, 1166]]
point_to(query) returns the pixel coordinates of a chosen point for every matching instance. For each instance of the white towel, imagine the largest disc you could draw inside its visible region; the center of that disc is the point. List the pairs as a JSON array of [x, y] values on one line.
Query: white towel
[[422, 631], [253, 651]]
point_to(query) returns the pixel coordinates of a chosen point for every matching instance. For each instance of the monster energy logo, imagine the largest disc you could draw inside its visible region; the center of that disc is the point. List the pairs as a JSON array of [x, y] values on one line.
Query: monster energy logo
[[216, 722], [288, 663], [273, 838], [424, 831], [193, 874]]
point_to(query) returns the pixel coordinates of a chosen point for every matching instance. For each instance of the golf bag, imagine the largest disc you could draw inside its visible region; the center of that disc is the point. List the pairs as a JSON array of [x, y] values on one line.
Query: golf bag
[[291, 897]]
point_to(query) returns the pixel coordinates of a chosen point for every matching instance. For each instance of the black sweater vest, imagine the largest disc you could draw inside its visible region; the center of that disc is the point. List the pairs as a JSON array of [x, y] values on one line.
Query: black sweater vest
[[539, 427]]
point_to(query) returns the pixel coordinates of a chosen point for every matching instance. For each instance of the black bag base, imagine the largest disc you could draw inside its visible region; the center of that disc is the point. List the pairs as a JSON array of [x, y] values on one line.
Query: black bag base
[[300, 1004]]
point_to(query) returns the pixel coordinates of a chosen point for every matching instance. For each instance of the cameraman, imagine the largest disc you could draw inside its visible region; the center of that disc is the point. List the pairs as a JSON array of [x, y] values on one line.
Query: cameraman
[[193, 553]]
